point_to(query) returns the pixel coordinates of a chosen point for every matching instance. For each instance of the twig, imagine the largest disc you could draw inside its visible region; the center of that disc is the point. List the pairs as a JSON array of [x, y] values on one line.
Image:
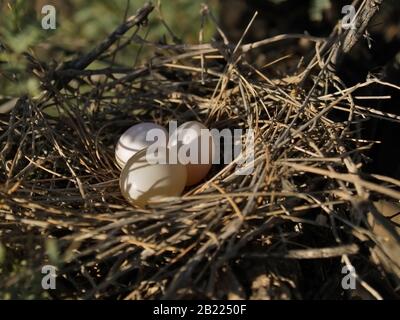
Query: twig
[[82, 62]]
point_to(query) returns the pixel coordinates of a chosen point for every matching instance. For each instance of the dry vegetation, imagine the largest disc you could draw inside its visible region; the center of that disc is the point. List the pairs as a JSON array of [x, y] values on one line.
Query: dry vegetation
[[283, 232]]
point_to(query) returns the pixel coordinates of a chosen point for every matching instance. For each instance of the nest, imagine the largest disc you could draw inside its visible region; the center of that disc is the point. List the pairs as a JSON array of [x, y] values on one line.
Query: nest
[[285, 231]]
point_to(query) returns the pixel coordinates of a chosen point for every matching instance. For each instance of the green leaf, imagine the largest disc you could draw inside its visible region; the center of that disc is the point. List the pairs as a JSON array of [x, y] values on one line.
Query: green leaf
[[2, 253], [52, 250]]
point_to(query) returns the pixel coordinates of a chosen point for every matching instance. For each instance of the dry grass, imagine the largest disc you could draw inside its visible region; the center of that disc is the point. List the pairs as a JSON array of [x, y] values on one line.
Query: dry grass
[[284, 231]]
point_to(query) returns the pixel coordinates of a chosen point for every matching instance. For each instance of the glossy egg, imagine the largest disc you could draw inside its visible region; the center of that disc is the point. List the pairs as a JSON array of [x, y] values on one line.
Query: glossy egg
[[145, 178], [137, 138], [187, 138]]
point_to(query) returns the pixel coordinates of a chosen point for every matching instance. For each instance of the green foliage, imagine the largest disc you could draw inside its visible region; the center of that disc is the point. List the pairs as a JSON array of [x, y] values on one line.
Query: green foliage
[[52, 251], [18, 279], [2, 253], [317, 8], [81, 24]]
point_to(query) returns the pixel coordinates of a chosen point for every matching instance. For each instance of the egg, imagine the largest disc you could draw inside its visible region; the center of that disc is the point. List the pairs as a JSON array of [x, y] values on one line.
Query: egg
[[188, 139], [137, 138], [148, 177]]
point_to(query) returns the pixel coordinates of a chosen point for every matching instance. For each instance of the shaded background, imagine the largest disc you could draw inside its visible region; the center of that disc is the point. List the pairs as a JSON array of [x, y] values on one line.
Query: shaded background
[[379, 56]]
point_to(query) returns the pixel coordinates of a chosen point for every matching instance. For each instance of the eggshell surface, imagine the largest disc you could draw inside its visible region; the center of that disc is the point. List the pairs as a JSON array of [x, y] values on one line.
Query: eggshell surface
[[143, 181], [137, 138], [188, 137]]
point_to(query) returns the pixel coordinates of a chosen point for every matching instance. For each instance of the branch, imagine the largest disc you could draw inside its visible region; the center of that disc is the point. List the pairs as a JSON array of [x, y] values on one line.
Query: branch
[[312, 253], [340, 44], [82, 62], [367, 10]]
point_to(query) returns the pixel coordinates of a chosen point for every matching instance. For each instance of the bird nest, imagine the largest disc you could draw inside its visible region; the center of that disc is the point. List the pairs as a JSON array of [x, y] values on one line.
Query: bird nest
[[286, 230]]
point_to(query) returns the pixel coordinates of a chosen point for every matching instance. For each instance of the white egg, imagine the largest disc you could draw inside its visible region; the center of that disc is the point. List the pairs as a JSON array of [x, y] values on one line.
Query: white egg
[[195, 149], [137, 138], [143, 181]]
